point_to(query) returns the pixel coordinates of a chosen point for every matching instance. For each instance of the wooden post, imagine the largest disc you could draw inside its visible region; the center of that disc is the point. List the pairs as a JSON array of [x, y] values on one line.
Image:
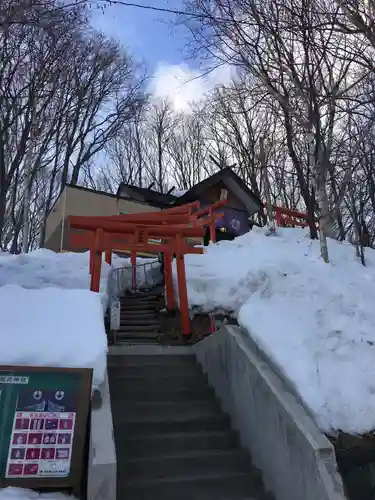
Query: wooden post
[[92, 254], [278, 217], [108, 256], [133, 260], [183, 296], [212, 228], [97, 262], [169, 281]]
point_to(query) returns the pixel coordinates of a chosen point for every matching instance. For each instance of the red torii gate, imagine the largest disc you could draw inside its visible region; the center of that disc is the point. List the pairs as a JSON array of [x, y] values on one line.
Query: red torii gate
[[175, 215], [210, 211], [132, 232], [286, 217]]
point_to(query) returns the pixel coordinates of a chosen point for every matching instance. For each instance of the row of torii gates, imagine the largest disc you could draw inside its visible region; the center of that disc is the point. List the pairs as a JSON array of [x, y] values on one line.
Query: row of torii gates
[[133, 232]]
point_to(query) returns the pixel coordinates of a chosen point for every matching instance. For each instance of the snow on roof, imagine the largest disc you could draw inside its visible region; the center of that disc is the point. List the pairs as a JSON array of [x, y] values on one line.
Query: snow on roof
[[315, 320], [179, 192]]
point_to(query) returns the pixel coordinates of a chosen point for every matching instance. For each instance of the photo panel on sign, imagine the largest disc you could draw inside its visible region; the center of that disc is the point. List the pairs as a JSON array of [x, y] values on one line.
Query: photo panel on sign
[[50, 400]]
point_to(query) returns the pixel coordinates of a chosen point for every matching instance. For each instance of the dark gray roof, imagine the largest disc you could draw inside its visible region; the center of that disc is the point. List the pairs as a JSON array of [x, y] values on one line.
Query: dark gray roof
[[228, 177], [150, 196]]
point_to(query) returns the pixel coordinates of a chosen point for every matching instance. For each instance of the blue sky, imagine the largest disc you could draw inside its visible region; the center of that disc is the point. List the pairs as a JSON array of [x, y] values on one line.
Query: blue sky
[[151, 36]]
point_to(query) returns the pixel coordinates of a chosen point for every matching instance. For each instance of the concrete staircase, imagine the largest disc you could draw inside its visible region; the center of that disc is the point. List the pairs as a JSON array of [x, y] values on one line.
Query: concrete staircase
[[173, 442], [139, 322]]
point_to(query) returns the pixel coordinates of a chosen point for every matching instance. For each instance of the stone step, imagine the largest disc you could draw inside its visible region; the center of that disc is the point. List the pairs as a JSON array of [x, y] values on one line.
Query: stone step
[[176, 411], [126, 327], [124, 342], [169, 393], [147, 360], [150, 445], [216, 423], [132, 336], [147, 318], [121, 378], [216, 486], [158, 372], [187, 463], [136, 312], [141, 298], [140, 303], [140, 319], [141, 307]]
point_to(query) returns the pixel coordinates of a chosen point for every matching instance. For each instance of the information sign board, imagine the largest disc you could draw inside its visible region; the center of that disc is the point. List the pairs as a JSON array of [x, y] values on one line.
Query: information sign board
[[43, 426]]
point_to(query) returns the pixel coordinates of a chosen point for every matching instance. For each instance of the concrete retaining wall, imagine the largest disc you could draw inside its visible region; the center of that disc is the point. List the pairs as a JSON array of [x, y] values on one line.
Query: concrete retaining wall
[[102, 467], [296, 459]]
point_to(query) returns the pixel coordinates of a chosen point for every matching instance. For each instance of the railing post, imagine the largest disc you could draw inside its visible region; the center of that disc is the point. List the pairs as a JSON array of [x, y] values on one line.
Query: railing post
[[108, 256], [92, 254], [133, 260], [168, 277], [183, 296], [212, 228]]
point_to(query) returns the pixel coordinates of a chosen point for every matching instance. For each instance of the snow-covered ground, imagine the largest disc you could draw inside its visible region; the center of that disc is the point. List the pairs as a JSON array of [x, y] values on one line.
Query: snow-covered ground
[[22, 494], [52, 327], [44, 268], [48, 315], [315, 320]]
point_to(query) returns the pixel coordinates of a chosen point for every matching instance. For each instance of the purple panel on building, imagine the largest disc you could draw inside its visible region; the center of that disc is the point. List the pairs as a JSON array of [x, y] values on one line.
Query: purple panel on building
[[234, 221]]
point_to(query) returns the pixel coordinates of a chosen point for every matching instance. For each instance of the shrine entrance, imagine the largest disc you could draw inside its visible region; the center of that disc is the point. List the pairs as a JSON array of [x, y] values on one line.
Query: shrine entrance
[[169, 232]]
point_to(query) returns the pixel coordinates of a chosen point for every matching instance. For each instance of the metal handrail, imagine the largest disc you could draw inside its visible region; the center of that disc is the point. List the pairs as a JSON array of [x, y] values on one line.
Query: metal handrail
[[133, 278]]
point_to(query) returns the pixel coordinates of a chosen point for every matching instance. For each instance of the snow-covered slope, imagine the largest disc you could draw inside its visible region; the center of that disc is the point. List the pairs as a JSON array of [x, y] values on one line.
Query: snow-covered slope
[[22, 494], [316, 320], [44, 268], [48, 315]]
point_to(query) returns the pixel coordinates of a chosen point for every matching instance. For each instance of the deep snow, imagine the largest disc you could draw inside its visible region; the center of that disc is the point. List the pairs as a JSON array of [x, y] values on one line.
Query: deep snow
[[53, 327], [44, 268], [315, 320], [22, 494], [48, 315]]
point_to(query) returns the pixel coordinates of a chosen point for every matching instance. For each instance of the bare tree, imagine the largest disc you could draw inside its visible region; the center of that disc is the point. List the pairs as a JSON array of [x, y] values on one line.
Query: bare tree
[[160, 123], [187, 149], [305, 66], [64, 94]]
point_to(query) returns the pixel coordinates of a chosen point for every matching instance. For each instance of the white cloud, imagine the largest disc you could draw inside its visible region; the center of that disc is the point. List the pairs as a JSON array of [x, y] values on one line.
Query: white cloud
[[184, 86]]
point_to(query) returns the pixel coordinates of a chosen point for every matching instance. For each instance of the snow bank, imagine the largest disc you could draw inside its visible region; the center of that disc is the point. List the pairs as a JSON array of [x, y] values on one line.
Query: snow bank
[[48, 315], [22, 494], [315, 320], [44, 268], [52, 327]]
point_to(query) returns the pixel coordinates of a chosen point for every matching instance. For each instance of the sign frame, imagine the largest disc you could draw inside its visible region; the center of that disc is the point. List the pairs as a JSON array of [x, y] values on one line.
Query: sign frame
[[74, 480]]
